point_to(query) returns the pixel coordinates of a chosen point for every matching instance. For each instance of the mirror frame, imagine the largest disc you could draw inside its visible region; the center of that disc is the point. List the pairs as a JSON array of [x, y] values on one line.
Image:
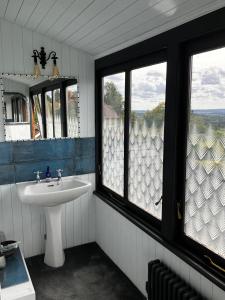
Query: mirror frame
[[48, 77]]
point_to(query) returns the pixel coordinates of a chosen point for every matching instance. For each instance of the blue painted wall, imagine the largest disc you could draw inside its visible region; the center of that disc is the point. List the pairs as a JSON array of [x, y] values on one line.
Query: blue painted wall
[[18, 160]]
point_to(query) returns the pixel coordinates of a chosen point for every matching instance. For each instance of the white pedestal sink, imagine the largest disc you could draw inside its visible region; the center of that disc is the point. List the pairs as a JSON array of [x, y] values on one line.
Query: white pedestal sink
[[54, 254], [51, 195]]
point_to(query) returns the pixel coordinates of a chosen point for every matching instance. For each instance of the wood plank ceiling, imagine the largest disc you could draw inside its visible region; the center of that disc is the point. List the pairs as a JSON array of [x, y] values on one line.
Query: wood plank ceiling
[[100, 27]]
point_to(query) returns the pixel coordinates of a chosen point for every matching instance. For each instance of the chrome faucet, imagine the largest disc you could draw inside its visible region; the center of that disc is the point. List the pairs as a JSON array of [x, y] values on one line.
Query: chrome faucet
[[38, 178], [59, 174]]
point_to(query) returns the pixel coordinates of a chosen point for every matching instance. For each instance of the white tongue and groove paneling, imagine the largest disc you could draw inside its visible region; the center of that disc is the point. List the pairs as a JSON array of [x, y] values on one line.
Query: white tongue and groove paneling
[[54, 14], [75, 10], [127, 16], [24, 40], [26, 11], [159, 18], [131, 249], [150, 16], [12, 9], [3, 6], [16, 48], [26, 223], [84, 23], [94, 9], [39, 13], [159, 24], [112, 10]]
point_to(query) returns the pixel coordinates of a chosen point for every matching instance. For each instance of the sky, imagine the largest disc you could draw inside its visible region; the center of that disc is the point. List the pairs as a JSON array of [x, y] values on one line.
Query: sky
[[207, 85], [148, 86], [208, 80]]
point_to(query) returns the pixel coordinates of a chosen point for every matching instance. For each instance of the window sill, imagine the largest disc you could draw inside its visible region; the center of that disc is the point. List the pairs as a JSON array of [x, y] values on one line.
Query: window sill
[[218, 278]]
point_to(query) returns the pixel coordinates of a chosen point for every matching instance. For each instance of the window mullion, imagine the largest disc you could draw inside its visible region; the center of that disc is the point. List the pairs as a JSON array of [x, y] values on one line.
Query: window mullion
[[126, 132], [98, 128], [53, 113], [43, 102], [63, 110], [170, 222]]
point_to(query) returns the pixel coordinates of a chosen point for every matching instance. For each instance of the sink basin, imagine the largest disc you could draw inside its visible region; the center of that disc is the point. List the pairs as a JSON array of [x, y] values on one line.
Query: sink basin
[[52, 195]]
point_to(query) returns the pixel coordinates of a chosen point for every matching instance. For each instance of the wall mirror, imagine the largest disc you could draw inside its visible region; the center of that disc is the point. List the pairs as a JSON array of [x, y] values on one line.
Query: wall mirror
[[38, 108]]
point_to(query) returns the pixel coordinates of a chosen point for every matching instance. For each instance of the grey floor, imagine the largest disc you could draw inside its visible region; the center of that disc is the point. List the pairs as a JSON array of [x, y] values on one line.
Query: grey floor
[[88, 274]]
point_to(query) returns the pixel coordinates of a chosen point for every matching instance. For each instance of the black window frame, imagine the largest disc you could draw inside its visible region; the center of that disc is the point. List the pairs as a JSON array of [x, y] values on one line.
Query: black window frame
[[204, 44], [127, 68], [49, 85], [202, 34]]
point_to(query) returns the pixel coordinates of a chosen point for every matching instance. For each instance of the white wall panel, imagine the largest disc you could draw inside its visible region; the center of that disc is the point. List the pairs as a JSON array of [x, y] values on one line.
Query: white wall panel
[[83, 91], [7, 63], [27, 49], [91, 104], [17, 43], [131, 249]]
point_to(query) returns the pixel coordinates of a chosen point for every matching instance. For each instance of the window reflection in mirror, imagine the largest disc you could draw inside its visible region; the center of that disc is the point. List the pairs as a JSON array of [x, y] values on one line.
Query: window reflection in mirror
[[49, 114], [16, 110], [38, 108], [72, 110], [37, 125], [57, 113]]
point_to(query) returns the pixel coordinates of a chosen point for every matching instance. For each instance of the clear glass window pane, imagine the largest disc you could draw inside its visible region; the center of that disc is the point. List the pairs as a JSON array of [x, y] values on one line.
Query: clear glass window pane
[[113, 132], [72, 110], [205, 166], [49, 114], [37, 128], [146, 138], [57, 113]]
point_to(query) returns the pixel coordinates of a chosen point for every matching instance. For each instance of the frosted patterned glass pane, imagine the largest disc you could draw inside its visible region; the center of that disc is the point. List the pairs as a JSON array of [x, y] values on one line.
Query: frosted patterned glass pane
[[205, 175], [147, 137], [57, 113], [49, 114], [72, 110], [113, 132]]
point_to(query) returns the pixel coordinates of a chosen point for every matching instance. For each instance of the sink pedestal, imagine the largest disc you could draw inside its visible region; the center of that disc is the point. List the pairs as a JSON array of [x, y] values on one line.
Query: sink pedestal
[[54, 254]]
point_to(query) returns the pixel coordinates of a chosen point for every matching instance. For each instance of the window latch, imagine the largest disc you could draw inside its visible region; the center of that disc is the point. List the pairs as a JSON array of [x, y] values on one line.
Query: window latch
[[157, 202], [179, 215], [214, 264]]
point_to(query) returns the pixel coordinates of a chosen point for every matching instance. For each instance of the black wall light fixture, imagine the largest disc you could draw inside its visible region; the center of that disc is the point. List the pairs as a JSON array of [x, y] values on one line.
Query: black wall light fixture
[[42, 56]]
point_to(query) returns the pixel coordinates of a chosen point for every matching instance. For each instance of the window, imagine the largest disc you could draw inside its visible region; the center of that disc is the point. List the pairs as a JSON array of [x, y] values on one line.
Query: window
[[161, 161], [55, 106], [113, 132], [37, 130], [72, 110], [49, 114], [146, 137], [16, 107], [133, 170], [57, 113], [205, 166], [17, 116], [53, 113]]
